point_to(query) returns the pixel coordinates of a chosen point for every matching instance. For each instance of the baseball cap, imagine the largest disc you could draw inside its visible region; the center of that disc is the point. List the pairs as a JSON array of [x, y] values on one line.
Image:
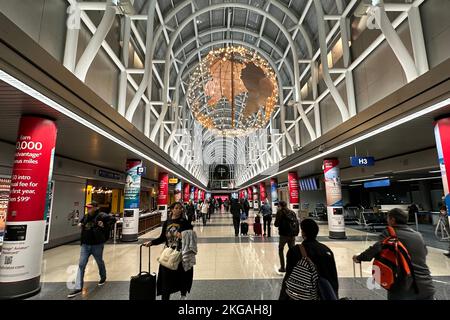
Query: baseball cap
[[93, 204]]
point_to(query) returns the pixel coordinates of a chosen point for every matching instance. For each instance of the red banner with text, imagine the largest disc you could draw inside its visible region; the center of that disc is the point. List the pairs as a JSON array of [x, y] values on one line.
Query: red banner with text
[[195, 194], [186, 192], [293, 188], [163, 192], [32, 169], [262, 192]]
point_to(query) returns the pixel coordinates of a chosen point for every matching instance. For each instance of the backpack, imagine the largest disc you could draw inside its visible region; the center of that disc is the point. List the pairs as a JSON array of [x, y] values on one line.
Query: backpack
[[292, 226], [393, 264], [326, 290], [303, 282]]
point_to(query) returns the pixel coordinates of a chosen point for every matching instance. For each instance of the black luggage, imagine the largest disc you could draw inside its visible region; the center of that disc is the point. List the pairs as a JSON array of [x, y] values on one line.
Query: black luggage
[[244, 228], [143, 285]]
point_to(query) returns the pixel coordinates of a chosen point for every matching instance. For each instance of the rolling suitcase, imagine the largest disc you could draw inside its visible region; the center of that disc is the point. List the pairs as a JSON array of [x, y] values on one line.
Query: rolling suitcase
[[244, 228], [257, 228], [143, 285]]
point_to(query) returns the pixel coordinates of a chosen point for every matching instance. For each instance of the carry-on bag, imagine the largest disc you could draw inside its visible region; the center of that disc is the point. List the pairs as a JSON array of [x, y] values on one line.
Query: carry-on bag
[[143, 285], [244, 228], [257, 228]]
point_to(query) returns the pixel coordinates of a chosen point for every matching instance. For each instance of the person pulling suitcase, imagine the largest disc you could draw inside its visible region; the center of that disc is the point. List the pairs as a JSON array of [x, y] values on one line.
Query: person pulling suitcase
[[170, 281]]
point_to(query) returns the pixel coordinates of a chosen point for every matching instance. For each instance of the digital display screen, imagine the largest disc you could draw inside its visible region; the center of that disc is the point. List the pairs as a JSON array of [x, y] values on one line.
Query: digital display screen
[[377, 183], [308, 184], [314, 184]]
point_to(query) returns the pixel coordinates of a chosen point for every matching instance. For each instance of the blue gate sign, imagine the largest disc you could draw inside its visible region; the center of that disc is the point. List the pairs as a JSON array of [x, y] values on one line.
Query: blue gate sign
[[362, 161]]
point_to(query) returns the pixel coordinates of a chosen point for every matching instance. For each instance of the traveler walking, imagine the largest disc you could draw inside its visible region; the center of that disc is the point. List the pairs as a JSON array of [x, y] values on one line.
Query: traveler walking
[[288, 228], [226, 205], [321, 256], [420, 285], [266, 211], [95, 230], [246, 208], [172, 235], [190, 211], [236, 210], [204, 209], [443, 214]]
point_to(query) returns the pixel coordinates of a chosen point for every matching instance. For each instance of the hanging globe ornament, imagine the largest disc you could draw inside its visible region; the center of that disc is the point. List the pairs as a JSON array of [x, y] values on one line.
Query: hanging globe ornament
[[237, 84]]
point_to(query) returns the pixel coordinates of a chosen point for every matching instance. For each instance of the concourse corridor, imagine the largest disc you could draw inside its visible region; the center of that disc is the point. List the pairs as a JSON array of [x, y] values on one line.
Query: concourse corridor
[[228, 267]]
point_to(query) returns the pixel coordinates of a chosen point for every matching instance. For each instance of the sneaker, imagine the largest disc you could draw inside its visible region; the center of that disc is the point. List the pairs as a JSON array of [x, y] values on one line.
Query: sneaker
[[281, 270], [74, 293], [101, 282]]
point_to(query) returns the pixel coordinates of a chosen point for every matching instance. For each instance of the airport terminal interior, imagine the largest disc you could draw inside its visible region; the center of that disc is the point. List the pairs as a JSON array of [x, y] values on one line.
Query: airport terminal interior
[[338, 109]]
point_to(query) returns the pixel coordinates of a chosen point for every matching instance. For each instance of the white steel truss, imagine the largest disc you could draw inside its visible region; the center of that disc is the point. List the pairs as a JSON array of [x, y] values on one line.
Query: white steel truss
[[179, 134]]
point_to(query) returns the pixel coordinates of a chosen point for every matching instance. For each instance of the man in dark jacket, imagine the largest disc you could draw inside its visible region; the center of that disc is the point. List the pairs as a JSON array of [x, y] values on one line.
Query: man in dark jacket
[[94, 227], [235, 210], [190, 211], [246, 207], [266, 211], [286, 236], [415, 245], [320, 255]]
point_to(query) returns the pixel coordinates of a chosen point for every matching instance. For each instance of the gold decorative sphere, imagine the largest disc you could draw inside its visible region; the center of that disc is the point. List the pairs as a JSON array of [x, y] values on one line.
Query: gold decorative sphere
[[232, 91]]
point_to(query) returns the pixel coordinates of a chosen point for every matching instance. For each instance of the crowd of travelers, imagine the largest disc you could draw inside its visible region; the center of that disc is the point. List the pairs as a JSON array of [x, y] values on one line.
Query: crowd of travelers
[[309, 268]]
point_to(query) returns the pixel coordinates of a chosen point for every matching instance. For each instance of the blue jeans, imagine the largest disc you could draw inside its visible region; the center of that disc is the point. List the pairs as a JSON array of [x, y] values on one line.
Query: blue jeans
[[86, 250]]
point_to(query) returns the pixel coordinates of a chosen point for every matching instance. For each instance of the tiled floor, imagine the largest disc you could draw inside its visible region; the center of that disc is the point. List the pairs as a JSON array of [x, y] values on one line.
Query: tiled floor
[[228, 267]]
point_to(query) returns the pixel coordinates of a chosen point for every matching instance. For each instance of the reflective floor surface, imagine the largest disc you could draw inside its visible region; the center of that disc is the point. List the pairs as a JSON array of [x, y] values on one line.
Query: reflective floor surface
[[228, 267]]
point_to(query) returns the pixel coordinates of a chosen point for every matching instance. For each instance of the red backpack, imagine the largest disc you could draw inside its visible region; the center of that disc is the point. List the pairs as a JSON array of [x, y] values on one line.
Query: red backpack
[[393, 262]]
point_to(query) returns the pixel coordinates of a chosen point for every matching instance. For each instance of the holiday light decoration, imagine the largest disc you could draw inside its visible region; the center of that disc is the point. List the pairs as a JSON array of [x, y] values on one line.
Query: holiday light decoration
[[233, 91]]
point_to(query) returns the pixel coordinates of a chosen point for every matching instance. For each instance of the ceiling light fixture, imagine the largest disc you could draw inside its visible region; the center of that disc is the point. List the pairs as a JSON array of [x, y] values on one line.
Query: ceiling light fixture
[[419, 179], [371, 179]]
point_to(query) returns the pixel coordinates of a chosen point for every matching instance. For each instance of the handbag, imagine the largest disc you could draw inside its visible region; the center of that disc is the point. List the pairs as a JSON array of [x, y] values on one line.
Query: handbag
[[170, 258]]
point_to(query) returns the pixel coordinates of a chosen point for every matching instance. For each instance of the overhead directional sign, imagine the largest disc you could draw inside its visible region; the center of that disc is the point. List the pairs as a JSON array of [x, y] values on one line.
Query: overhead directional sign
[[362, 161]]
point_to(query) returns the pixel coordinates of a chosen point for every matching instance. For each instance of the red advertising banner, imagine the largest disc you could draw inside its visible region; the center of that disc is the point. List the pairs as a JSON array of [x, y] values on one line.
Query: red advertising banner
[[32, 168], [262, 191], [293, 188], [329, 164], [26, 215], [163, 193], [195, 194], [250, 193], [442, 136], [186, 193]]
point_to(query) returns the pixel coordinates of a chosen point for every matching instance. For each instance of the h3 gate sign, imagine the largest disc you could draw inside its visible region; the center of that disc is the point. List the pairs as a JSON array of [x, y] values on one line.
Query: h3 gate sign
[[362, 161]]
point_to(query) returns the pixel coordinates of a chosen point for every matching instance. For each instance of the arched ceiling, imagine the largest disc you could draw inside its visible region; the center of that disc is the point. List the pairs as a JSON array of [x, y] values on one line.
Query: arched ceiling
[[244, 24], [280, 31]]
